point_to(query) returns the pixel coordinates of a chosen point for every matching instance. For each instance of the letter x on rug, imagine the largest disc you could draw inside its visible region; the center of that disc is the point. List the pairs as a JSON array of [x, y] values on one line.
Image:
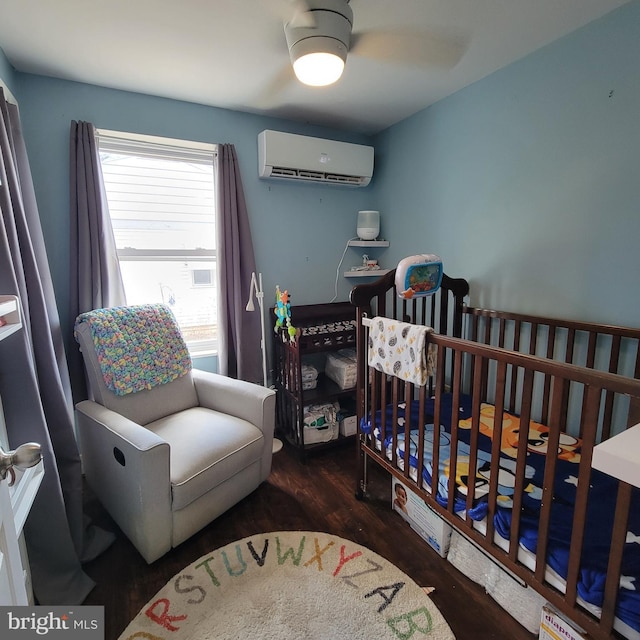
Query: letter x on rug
[[290, 585]]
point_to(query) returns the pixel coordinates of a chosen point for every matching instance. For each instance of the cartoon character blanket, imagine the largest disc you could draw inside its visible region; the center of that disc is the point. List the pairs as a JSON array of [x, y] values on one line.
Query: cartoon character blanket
[[601, 499]]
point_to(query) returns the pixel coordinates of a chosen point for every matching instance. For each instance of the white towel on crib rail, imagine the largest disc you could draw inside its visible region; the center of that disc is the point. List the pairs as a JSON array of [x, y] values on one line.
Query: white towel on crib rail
[[400, 349]]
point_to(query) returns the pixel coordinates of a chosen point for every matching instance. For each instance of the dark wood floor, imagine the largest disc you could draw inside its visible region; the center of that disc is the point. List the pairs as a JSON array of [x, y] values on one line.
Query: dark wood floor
[[317, 496]]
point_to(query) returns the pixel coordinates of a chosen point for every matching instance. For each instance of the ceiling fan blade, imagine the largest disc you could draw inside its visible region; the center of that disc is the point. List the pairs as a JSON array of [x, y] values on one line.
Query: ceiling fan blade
[[302, 15], [295, 12], [271, 95], [424, 49]]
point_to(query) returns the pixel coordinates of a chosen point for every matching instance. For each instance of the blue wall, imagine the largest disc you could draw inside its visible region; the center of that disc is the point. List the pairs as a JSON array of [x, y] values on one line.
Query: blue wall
[[299, 230], [528, 182]]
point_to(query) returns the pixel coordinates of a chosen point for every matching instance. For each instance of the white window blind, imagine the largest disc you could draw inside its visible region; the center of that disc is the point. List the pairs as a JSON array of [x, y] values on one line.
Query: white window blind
[[161, 196]]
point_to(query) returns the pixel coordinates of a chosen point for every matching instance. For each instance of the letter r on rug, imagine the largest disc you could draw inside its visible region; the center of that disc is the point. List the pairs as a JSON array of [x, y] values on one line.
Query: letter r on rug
[[164, 619]]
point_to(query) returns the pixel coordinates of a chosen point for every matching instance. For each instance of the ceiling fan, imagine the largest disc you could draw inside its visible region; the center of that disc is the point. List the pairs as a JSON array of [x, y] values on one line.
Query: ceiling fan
[[319, 35]]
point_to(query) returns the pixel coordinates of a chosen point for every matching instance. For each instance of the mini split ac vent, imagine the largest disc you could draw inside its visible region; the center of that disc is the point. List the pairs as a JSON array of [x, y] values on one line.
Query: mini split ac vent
[[295, 157], [315, 176]]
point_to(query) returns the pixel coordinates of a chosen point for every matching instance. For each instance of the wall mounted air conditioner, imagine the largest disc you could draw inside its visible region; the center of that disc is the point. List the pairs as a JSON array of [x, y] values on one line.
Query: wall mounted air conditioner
[[295, 157]]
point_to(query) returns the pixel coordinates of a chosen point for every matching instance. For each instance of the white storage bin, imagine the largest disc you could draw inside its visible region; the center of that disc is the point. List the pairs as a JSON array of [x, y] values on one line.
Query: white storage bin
[[348, 426], [321, 422], [326, 433]]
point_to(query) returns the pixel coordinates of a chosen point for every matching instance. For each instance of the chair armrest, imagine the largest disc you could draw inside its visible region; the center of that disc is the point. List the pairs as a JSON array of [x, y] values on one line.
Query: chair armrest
[[131, 432], [238, 398], [127, 466]]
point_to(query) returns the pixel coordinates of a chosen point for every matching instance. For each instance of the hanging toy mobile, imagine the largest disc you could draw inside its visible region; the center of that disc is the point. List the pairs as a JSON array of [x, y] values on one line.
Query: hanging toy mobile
[[283, 313]]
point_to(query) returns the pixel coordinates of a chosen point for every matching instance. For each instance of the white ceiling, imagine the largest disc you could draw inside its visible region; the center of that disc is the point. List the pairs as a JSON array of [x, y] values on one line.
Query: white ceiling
[[233, 53]]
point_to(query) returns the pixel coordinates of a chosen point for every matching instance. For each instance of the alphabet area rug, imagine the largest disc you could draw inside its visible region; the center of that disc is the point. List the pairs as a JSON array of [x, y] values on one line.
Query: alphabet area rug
[[290, 585]]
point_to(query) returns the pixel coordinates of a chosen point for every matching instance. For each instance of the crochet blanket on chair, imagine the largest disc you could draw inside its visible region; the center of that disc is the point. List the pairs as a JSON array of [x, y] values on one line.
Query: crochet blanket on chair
[[138, 347]]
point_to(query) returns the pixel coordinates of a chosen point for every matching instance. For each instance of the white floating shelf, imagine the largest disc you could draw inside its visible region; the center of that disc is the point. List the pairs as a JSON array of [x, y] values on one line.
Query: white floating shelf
[[368, 243], [371, 273]]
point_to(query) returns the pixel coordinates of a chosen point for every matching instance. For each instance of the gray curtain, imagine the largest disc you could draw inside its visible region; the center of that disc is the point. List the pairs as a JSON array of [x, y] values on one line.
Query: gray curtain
[[35, 386], [96, 281], [239, 354]]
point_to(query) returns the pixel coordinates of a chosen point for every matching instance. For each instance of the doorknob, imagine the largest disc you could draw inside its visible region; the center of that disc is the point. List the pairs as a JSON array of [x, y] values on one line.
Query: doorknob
[[25, 456]]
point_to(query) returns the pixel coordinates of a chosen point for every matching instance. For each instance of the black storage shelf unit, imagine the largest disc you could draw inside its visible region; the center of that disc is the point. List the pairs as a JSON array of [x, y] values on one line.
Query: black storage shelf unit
[[320, 328]]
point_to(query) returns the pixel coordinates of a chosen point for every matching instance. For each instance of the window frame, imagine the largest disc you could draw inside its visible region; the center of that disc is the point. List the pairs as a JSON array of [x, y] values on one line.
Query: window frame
[[142, 145]]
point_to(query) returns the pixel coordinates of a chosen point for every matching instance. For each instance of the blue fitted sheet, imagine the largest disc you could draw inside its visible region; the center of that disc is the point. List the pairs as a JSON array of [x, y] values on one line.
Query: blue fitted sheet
[[601, 498]]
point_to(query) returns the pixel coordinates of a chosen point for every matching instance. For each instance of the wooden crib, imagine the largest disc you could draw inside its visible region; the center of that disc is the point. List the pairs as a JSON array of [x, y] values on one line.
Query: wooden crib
[[564, 529]]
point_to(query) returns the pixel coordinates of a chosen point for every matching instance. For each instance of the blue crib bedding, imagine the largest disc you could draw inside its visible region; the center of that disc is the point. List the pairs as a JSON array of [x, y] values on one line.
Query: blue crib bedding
[[601, 498]]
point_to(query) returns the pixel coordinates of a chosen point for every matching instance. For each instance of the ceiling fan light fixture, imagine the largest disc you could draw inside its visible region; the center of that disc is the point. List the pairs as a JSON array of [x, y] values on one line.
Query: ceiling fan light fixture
[[319, 68], [319, 53]]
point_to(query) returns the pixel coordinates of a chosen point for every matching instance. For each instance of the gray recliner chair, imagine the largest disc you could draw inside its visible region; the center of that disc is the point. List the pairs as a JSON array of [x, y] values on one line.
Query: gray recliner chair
[[167, 459]]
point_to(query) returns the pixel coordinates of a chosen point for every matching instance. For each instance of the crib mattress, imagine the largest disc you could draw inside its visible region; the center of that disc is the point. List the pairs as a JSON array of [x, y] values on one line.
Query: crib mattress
[[599, 516]]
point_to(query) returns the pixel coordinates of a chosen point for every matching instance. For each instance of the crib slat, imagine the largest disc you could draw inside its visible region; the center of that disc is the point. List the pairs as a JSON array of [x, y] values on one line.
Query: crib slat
[[378, 390], [487, 330], [547, 491], [394, 421], [501, 331], [591, 350], [569, 354], [496, 446], [475, 429], [432, 317], [523, 440], [618, 541], [455, 412], [517, 329], [590, 359], [589, 429], [571, 339], [533, 338], [474, 321], [408, 396], [614, 361], [443, 326], [514, 372], [437, 420], [546, 386], [485, 368], [422, 397]]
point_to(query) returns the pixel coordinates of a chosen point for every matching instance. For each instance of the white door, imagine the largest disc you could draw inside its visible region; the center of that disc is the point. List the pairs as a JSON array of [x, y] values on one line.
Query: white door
[[12, 580], [21, 473], [15, 503]]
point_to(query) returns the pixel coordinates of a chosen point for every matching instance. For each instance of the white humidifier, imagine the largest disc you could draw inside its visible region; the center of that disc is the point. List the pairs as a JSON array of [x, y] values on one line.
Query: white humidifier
[[368, 227]]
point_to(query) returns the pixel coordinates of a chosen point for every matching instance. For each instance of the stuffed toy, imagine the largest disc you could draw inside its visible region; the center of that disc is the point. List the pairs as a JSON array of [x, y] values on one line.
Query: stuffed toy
[[282, 311]]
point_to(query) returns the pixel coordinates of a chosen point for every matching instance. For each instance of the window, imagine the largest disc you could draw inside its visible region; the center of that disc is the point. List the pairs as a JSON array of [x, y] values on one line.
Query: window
[[161, 196], [202, 277]]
